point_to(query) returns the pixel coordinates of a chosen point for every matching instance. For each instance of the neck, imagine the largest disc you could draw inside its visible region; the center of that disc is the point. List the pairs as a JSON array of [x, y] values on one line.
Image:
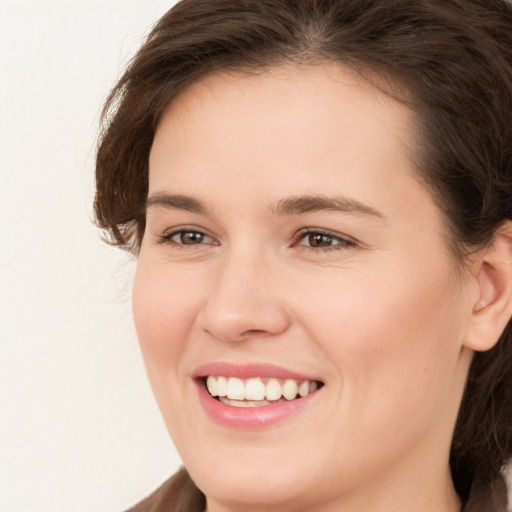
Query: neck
[[439, 496]]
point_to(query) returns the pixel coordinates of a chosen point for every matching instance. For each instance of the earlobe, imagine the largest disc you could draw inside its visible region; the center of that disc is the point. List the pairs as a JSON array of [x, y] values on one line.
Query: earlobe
[[493, 308]]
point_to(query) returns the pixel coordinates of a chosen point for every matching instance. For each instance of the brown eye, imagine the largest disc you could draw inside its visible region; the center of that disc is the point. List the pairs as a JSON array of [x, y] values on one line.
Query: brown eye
[[190, 237], [319, 240], [186, 237]]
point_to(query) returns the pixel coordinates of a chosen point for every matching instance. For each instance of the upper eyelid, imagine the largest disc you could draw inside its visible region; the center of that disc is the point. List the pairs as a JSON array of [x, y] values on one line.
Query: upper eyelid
[[178, 229], [326, 232]]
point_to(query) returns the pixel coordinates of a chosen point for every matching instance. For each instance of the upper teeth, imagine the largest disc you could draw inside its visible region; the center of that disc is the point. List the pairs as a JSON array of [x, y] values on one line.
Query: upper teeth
[[255, 389]]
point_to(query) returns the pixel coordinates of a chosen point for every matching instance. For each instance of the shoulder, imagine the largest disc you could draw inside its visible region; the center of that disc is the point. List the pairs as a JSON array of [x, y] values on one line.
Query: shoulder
[[488, 495], [178, 494]]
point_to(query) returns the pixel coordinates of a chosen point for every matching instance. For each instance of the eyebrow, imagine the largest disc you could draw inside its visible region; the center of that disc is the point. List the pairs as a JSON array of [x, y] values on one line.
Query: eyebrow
[[313, 203], [178, 202], [290, 206]]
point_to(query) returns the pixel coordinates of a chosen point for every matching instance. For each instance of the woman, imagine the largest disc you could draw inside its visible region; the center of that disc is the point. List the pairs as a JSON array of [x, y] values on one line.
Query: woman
[[318, 194]]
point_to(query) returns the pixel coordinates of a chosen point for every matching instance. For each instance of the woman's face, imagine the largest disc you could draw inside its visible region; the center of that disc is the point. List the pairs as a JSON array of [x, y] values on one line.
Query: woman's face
[[288, 239]]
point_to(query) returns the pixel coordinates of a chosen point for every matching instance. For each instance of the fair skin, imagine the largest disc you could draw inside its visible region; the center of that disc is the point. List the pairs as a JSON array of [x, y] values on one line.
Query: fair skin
[[375, 312]]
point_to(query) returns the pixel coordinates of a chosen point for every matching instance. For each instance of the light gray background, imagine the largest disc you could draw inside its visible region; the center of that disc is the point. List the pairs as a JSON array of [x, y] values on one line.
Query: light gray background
[[79, 430]]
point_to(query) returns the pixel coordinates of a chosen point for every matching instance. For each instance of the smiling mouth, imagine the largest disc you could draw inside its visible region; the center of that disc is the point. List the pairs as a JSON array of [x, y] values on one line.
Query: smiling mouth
[[258, 392]]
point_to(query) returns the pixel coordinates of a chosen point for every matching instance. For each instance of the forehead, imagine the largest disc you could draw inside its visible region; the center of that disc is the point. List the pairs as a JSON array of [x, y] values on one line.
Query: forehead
[[302, 92], [300, 124]]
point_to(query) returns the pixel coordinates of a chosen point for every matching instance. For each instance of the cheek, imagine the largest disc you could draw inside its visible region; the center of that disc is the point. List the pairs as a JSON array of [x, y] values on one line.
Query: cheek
[[395, 336], [164, 309]]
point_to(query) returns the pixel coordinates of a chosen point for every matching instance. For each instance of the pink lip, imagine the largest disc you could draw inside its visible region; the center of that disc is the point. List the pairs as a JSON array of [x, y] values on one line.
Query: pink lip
[[249, 370], [249, 417]]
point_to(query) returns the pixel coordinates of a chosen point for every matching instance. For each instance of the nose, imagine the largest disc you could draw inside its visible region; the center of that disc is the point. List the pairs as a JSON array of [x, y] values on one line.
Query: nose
[[245, 300]]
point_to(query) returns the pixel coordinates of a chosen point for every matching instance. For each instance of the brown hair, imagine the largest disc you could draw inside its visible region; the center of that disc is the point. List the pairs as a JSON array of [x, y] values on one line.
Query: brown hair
[[454, 59]]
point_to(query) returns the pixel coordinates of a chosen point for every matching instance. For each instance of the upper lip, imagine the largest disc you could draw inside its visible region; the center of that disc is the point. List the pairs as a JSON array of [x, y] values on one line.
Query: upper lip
[[249, 370]]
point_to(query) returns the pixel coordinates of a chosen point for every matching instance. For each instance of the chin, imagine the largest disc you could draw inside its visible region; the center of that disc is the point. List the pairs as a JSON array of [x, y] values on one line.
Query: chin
[[247, 487]]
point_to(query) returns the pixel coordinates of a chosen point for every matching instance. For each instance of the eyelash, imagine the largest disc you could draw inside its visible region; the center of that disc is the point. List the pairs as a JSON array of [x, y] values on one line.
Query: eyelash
[[167, 238], [342, 242]]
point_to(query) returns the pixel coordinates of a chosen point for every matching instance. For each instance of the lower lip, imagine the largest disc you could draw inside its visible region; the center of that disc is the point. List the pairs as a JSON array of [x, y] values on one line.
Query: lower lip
[[250, 417]]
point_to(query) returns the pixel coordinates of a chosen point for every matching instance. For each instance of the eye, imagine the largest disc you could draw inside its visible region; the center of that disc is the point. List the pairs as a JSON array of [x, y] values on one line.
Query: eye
[[186, 237], [318, 239]]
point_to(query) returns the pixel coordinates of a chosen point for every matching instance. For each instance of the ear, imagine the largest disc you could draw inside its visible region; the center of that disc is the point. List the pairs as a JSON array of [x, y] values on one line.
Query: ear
[[493, 274]]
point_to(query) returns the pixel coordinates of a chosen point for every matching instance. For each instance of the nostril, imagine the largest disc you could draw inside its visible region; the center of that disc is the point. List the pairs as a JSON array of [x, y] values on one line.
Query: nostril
[[228, 334], [253, 332]]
